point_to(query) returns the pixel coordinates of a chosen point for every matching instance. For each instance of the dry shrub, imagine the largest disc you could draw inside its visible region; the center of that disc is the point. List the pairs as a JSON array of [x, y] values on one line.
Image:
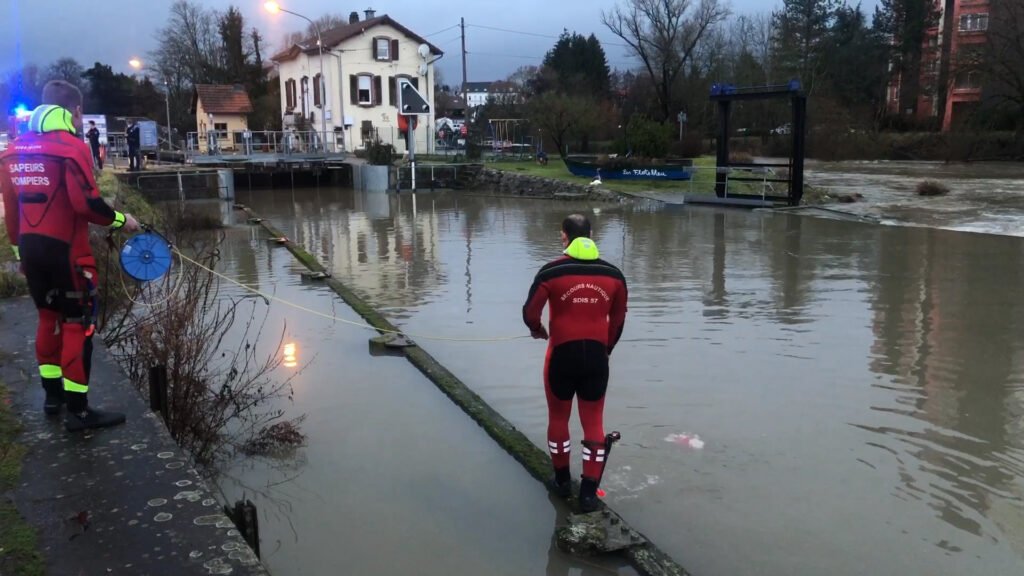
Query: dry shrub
[[276, 438], [740, 156], [12, 282], [932, 188], [223, 398]]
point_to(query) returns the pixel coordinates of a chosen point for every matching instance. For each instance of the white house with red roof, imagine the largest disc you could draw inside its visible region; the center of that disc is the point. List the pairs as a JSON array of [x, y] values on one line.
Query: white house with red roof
[[362, 62]]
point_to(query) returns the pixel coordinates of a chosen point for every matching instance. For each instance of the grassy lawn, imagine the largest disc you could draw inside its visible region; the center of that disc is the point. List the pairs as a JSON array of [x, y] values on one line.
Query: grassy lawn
[[703, 181], [19, 552]]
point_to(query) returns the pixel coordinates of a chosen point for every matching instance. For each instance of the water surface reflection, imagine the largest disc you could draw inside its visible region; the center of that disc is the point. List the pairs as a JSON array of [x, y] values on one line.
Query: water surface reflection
[[860, 388]]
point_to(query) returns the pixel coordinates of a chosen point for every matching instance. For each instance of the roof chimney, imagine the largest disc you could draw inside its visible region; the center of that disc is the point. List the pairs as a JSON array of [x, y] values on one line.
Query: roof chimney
[[353, 18], [369, 13]]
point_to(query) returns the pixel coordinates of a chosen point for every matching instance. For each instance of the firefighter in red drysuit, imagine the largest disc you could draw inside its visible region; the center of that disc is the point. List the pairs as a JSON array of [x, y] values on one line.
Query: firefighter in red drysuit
[[587, 308], [50, 197]]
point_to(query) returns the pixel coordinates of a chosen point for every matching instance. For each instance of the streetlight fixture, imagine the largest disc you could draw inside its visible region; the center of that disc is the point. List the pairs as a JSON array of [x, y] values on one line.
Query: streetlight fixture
[[138, 66], [274, 8]]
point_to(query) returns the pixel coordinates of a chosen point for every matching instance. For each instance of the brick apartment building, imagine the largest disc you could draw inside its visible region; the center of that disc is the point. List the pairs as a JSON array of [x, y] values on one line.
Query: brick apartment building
[[947, 54]]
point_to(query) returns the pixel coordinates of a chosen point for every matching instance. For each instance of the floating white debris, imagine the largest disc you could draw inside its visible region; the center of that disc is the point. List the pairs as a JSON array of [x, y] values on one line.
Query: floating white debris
[[688, 440]]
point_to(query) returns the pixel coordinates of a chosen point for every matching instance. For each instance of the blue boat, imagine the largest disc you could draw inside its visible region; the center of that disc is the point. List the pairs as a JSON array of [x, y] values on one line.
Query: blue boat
[[590, 169]]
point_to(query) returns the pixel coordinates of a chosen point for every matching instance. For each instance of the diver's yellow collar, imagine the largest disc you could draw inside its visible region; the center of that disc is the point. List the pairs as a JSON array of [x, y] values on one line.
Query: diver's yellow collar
[[582, 249], [51, 118]]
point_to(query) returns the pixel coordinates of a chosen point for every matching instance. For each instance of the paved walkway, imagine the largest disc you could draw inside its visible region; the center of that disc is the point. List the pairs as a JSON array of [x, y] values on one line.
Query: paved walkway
[[117, 501]]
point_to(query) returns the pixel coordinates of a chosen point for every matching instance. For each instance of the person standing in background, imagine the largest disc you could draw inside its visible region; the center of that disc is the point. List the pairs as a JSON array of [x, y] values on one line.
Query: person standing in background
[[93, 135]]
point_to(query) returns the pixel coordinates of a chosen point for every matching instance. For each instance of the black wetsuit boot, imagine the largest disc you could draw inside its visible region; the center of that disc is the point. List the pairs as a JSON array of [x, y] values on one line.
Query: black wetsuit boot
[[589, 502], [561, 482], [82, 417], [54, 388]]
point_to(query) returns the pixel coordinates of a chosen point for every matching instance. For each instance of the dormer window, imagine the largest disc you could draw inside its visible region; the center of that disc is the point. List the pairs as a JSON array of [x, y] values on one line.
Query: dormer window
[[385, 49]]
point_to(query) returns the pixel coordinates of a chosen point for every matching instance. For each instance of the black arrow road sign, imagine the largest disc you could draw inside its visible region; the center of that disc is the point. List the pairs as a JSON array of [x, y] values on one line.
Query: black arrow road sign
[[410, 101]]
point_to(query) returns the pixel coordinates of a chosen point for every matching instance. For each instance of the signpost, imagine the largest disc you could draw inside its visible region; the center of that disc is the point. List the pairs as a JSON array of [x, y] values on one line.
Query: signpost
[[682, 124], [148, 137], [411, 103], [101, 125]]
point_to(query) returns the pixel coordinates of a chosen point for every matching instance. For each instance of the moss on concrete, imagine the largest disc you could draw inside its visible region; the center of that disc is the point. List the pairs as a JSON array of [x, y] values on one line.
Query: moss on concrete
[[647, 558], [19, 551]]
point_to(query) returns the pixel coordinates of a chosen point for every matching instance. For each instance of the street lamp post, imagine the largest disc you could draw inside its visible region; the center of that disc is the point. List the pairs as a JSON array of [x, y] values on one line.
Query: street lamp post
[[137, 65], [274, 8]]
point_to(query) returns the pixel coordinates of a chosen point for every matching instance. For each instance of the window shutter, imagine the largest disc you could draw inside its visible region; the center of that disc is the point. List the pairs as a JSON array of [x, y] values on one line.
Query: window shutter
[[353, 85], [392, 91], [373, 48], [287, 93], [394, 50], [377, 91], [316, 90]]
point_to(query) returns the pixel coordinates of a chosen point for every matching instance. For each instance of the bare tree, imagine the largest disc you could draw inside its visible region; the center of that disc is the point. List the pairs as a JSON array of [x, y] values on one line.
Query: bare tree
[[67, 69], [523, 79], [562, 117], [755, 33], [190, 49], [665, 35], [325, 22]]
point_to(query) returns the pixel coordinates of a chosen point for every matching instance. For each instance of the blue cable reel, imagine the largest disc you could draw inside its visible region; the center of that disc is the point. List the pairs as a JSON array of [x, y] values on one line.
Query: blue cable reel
[[146, 256]]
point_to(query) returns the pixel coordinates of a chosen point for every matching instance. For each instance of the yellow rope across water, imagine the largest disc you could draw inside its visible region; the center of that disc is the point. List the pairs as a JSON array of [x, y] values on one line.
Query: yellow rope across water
[[334, 318]]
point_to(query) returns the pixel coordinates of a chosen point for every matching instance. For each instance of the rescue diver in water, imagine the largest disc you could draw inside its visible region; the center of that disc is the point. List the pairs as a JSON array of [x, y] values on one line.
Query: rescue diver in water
[[50, 197], [586, 297]]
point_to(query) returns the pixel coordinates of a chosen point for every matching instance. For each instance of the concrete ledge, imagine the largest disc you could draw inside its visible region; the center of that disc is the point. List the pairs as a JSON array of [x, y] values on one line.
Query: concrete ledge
[[646, 557], [120, 501]]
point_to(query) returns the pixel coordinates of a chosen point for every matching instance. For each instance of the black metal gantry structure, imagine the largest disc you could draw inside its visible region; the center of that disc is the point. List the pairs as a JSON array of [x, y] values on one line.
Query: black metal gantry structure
[[725, 95]]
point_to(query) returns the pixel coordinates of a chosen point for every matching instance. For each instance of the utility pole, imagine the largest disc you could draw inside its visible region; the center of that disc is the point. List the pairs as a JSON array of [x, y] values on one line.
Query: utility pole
[[462, 25]]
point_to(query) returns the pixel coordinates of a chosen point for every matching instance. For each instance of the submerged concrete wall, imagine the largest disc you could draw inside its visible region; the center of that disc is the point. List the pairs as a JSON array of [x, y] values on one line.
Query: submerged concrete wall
[[374, 178]]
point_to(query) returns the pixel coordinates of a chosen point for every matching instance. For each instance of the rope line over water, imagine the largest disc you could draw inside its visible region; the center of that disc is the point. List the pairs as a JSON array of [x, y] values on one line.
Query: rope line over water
[[335, 318]]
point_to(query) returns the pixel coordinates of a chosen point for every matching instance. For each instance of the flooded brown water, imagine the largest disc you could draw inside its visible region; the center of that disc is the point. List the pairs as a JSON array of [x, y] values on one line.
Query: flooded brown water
[[983, 197], [394, 478], [859, 389]]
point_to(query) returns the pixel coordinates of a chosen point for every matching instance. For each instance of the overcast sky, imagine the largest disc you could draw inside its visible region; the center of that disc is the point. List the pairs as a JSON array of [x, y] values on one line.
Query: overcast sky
[[113, 31]]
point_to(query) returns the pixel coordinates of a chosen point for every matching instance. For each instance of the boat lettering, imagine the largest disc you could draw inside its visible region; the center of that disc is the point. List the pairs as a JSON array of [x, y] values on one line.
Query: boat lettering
[[645, 172]]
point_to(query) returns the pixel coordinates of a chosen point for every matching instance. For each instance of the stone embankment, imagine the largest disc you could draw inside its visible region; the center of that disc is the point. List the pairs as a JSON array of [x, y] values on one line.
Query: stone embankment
[[505, 183]]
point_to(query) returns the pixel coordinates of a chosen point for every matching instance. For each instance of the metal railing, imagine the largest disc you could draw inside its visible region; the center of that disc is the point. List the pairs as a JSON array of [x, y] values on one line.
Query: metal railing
[[209, 181], [434, 176], [250, 142]]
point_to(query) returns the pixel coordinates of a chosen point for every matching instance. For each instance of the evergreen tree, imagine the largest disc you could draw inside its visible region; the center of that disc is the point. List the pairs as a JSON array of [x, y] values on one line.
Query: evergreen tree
[[802, 29], [577, 65], [904, 24], [109, 93], [856, 64], [235, 65]]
